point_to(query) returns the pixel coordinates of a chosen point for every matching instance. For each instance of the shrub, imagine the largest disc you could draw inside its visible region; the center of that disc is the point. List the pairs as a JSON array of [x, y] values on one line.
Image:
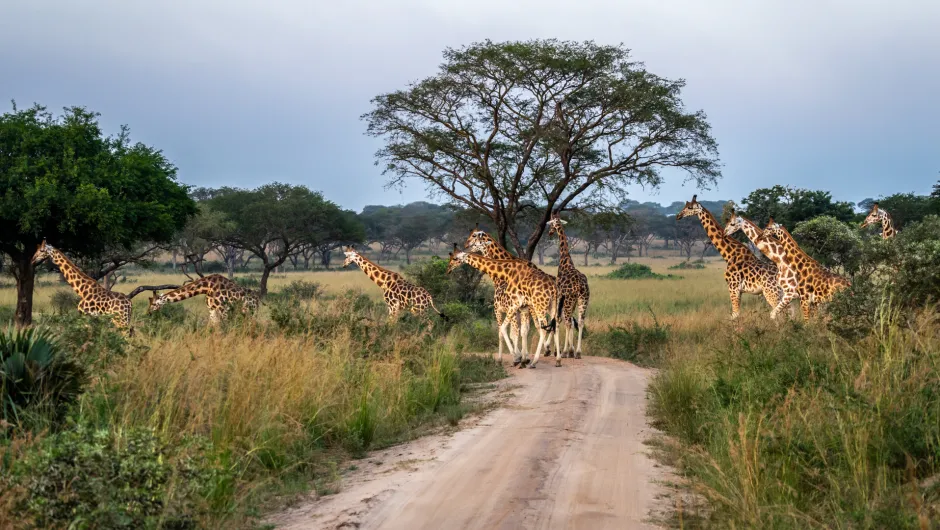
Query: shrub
[[93, 341], [302, 289], [685, 265], [7, 314], [250, 281], [96, 478], [830, 242], [64, 301], [37, 380], [637, 271], [638, 343], [463, 284]]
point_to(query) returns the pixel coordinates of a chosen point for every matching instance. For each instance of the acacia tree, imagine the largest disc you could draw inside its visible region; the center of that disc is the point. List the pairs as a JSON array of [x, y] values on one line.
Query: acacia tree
[[276, 220], [504, 126], [62, 180], [789, 206]]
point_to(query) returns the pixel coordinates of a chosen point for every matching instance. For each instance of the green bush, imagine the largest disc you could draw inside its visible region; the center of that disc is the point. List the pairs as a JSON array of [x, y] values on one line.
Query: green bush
[[464, 284], [93, 341], [686, 265], [251, 281], [637, 343], [37, 379], [302, 289], [637, 271], [96, 478], [7, 314], [64, 301], [830, 242]]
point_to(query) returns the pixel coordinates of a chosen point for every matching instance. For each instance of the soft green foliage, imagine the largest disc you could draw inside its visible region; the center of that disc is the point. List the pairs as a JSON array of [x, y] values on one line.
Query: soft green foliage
[[637, 343], [99, 478], [277, 220], [64, 181], [38, 380], [637, 271], [789, 206], [688, 265], [65, 301], [831, 242], [906, 208], [464, 285], [437, 130], [301, 289]]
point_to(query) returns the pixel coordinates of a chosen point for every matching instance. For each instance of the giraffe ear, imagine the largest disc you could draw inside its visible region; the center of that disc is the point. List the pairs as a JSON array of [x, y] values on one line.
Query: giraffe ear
[[694, 197]]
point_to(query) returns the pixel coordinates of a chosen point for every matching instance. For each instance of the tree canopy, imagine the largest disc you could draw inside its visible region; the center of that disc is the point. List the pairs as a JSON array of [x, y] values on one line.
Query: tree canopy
[[789, 206], [63, 180], [504, 126]]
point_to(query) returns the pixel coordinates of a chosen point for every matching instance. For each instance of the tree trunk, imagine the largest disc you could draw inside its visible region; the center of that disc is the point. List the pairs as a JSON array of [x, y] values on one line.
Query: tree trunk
[[174, 260], [541, 254], [587, 250], [408, 256], [25, 278], [263, 287], [325, 261]]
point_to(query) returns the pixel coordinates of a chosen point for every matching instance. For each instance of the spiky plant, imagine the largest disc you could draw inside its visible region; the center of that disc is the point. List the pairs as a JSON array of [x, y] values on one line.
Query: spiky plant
[[37, 377]]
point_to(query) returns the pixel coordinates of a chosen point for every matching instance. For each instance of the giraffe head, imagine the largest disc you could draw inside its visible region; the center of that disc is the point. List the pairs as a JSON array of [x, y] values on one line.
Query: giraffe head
[[457, 258], [774, 229], [478, 240], [351, 255], [875, 216], [156, 302], [691, 208], [43, 251], [555, 224], [735, 223]]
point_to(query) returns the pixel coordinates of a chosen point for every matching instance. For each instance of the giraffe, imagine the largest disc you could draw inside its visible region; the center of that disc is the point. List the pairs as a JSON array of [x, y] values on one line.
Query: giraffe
[[95, 299], [877, 215], [220, 292], [573, 284], [744, 272], [526, 287], [398, 292], [816, 284], [787, 277], [480, 242]]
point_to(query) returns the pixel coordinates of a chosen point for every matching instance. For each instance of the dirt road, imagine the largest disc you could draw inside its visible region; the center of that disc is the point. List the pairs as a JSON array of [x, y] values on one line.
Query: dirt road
[[565, 451]]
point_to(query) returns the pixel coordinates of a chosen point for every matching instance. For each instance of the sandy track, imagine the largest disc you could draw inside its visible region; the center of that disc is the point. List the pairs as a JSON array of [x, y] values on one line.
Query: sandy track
[[566, 451]]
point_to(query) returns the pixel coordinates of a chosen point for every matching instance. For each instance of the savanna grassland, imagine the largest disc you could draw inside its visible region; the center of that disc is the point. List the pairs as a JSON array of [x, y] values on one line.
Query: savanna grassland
[[781, 425]]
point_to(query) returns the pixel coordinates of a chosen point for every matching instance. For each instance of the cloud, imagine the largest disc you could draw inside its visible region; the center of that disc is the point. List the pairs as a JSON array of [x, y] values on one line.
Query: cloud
[[837, 94]]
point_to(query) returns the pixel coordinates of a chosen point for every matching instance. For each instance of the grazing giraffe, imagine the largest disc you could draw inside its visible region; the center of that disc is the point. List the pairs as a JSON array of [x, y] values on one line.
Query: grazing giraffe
[[816, 284], [398, 292], [573, 284], [744, 272], [95, 299], [877, 215], [220, 293], [526, 287], [480, 242]]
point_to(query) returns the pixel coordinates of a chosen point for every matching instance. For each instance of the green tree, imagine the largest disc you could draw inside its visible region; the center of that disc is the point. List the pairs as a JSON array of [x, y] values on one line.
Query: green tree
[[277, 220], [61, 179], [506, 125], [830, 242], [788, 206]]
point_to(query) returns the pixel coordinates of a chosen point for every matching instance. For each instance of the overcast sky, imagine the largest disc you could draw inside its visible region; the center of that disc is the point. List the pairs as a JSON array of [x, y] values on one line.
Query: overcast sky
[[838, 95]]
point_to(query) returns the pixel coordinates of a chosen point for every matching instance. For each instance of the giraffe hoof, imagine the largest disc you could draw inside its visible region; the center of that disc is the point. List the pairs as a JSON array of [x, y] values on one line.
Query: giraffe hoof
[[577, 355], [517, 362], [531, 366], [557, 363]]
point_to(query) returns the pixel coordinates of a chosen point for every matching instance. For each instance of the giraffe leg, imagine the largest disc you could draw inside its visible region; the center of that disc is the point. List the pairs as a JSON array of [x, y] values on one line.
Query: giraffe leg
[[772, 295], [499, 337], [557, 349], [783, 303], [735, 292], [214, 317], [505, 334], [514, 335], [542, 340], [582, 309], [523, 316], [807, 308]]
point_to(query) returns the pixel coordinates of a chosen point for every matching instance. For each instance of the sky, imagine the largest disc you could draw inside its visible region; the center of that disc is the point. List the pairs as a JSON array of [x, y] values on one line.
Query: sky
[[835, 95]]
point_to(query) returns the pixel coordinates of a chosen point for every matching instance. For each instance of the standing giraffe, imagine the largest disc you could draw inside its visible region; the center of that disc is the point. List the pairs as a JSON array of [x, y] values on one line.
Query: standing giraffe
[[95, 299], [573, 285], [744, 272], [816, 284], [398, 292], [526, 287], [220, 292], [787, 276], [480, 242], [877, 215]]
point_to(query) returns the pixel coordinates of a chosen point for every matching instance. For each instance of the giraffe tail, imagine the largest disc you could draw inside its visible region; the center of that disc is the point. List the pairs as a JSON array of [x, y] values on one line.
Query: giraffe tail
[[554, 323], [444, 317]]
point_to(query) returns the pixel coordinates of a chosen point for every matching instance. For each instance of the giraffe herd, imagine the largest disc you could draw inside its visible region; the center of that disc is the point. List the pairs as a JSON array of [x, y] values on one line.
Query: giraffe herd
[[522, 291]]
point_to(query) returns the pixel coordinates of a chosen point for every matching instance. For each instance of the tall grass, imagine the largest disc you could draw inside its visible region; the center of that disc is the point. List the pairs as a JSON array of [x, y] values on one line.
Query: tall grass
[[792, 428]]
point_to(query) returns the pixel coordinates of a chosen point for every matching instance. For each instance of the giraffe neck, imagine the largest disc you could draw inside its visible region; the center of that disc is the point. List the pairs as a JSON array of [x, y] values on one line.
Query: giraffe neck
[[767, 248], [887, 228], [564, 252], [716, 234], [793, 250], [378, 275], [489, 266], [496, 251], [80, 282], [200, 286]]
